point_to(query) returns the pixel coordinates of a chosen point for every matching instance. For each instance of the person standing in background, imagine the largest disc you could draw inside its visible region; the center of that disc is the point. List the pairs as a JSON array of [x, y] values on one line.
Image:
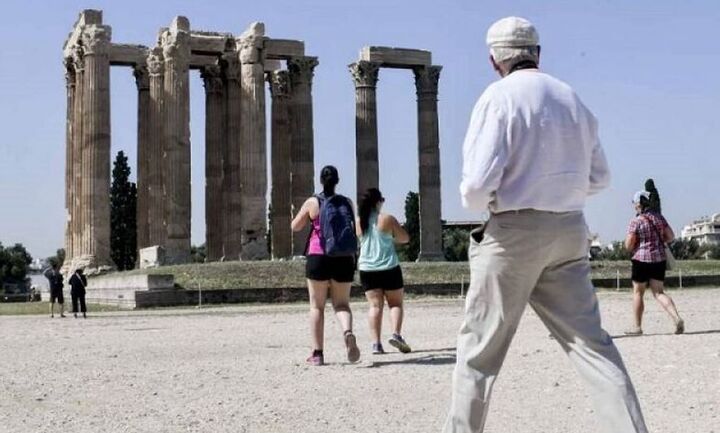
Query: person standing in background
[[78, 283]]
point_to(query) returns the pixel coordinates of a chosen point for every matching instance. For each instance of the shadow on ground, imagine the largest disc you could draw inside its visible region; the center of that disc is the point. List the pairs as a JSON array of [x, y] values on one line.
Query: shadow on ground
[[433, 357]]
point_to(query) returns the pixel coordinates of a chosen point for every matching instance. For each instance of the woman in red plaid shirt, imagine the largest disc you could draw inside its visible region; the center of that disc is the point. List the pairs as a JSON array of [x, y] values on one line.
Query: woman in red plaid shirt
[[646, 238]]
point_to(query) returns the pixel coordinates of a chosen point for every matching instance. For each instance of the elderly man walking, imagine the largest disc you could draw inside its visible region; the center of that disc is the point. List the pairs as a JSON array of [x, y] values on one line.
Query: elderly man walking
[[531, 157]]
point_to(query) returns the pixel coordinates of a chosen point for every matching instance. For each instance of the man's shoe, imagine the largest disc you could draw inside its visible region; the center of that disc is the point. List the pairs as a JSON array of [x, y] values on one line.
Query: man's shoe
[[680, 326], [399, 343], [353, 352], [62, 315]]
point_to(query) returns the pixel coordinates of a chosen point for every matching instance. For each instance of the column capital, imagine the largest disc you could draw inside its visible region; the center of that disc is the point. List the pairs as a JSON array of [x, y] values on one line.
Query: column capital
[[364, 73], [212, 78], [251, 43], [302, 69], [231, 65], [176, 48], [426, 79], [155, 62], [142, 77], [96, 40], [279, 83], [78, 58], [69, 64]]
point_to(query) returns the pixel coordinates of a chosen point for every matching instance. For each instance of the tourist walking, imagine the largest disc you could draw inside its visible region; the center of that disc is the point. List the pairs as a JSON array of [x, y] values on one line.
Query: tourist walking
[[531, 157], [55, 280], [78, 283], [379, 265], [647, 235], [330, 261]]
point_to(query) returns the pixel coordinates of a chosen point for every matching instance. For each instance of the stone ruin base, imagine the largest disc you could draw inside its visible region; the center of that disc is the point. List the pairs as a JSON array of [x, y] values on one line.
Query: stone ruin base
[[130, 291]]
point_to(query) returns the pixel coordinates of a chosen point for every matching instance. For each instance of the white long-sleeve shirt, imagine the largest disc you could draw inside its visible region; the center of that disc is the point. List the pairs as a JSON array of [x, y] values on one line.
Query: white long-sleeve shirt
[[531, 144]]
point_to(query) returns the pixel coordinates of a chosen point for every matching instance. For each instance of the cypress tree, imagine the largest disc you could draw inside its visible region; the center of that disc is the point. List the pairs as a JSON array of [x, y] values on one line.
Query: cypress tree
[[123, 218]]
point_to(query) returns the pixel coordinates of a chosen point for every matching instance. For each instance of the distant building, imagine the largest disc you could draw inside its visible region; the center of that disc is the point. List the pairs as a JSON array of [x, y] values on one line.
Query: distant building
[[706, 230]]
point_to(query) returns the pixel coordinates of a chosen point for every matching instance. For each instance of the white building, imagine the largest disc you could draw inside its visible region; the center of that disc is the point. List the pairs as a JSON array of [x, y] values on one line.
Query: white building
[[706, 230]]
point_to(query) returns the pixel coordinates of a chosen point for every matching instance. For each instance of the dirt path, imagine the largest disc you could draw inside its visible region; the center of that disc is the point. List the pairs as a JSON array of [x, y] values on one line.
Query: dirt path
[[241, 369]]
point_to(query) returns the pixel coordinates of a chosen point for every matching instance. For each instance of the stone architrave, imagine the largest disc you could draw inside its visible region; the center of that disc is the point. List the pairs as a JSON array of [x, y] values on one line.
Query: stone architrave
[[302, 165], [142, 81], [69, 154], [365, 77], [95, 250], [215, 142], [426, 83], [280, 197], [156, 231], [232, 182], [253, 164], [176, 51]]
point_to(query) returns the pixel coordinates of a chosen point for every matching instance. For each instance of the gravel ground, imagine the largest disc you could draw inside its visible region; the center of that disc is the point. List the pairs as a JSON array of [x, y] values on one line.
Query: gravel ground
[[241, 369]]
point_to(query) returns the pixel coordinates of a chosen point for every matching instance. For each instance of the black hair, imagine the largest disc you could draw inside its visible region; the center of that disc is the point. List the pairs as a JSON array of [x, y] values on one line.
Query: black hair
[[654, 200], [644, 203], [329, 179], [368, 203]]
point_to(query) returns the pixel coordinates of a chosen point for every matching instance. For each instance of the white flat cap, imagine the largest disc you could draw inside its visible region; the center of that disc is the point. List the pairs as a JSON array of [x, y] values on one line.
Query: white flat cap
[[512, 32], [640, 194]]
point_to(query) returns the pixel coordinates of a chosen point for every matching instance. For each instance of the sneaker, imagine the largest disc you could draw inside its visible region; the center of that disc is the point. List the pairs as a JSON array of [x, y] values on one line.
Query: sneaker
[[377, 349], [680, 326], [634, 331], [316, 359], [399, 343], [353, 352]]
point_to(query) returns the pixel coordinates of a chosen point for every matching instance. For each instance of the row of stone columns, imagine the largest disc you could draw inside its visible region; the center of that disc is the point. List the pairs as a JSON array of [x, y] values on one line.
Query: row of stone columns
[[365, 77]]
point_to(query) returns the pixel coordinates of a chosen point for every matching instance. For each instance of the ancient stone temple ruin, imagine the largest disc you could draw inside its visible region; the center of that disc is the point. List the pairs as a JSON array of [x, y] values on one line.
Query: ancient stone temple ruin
[[365, 76], [234, 70]]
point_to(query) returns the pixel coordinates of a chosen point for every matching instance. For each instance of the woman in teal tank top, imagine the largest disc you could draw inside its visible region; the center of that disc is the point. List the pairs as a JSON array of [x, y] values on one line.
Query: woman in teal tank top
[[379, 266]]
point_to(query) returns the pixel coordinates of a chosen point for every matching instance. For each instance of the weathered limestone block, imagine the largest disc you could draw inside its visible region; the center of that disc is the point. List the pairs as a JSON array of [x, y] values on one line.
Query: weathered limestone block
[[152, 257], [283, 48], [121, 290], [396, 57]]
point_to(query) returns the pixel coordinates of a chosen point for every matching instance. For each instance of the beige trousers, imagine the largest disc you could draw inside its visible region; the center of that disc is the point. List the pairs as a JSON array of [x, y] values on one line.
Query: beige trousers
[[539, 258]]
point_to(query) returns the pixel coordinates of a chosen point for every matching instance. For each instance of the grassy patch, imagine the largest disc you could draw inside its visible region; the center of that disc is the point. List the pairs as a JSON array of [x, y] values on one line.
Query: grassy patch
[[239, 275], [21, 308]]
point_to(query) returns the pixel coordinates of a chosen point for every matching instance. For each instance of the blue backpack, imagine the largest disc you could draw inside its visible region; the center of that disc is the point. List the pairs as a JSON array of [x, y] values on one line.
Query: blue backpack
[[337, 226]]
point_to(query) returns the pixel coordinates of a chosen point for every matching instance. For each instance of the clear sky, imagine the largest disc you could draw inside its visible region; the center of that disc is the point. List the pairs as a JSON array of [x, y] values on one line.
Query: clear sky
[[647, 68]]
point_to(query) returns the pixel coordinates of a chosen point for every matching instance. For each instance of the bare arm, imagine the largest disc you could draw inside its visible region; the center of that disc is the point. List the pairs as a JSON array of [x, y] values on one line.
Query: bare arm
[[399, 233], [668, 235], [302, 217], [631, 242]]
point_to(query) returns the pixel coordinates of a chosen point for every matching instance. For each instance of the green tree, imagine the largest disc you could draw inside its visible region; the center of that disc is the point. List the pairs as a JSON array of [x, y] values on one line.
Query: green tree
[[456, 242], [409, 252], [58, 258], [14, 262], [123, 218], [616, 251], [198, 253], [685, 249]]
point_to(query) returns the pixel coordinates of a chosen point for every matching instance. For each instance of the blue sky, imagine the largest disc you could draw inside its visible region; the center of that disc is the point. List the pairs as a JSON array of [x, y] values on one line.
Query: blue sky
[[647, 69]]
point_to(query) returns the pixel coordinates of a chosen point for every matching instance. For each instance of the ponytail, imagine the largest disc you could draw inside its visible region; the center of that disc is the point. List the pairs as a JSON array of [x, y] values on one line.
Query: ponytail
[[368, 203]]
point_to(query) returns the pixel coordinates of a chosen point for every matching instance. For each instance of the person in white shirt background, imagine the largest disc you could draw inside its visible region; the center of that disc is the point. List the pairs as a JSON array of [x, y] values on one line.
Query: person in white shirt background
[[531, 157]]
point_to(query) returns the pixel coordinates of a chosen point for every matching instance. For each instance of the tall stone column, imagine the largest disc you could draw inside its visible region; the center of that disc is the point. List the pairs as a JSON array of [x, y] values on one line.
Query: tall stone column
[[365, 77], [176, 51], [426, 83], [302, 165], [215, 141], [280, 195], [156, 231], [232, 182], [142, 80], [76, 211], [253, 164], [69, 155], [96, 149]]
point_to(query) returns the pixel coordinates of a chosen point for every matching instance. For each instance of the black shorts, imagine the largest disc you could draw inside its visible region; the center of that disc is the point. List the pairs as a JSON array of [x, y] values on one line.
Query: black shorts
[[57, 295], [325, 268], [643, 272], [390, 279]]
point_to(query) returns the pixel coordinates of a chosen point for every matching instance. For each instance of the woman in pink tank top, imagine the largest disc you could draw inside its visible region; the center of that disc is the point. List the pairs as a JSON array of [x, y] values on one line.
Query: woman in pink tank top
[[326, 275]]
